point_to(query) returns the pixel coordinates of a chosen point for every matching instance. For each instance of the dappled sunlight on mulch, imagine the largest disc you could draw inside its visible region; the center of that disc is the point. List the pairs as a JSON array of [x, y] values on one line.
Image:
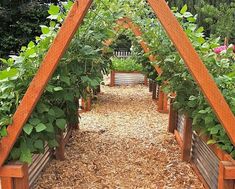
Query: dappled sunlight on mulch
[[123, 144]]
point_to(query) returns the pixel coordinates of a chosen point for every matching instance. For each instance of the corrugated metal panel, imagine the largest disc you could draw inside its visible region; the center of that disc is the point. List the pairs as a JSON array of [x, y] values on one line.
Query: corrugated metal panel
[[129, 78], [36, 167], [206, 161], [180, 124]]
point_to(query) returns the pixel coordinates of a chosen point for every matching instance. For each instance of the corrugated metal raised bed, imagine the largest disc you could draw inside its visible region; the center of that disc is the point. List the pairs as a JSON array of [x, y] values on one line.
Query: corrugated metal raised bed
[[38, 164], [214, 166], [206, 161], [180, 124], [127, 78]]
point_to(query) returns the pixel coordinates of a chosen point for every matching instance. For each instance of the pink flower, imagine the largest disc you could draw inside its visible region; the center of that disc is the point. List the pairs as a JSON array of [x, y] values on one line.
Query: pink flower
[[218, 50]]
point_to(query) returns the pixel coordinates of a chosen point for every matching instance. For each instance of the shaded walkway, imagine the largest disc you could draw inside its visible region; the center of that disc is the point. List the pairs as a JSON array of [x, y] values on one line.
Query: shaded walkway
[[122, 143]]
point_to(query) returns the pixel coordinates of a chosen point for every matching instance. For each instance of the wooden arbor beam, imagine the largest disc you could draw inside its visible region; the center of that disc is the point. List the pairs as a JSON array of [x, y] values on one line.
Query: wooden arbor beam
[[47, 68], [127, 23], [195, 65]]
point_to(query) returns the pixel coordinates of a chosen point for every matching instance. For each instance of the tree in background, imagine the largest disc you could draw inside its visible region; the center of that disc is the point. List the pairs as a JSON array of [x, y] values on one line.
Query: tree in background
[[216, 16], [20, 23]]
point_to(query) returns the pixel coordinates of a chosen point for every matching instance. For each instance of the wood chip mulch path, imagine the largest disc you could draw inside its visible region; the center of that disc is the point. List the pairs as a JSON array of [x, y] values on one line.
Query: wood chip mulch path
[[122, 144]]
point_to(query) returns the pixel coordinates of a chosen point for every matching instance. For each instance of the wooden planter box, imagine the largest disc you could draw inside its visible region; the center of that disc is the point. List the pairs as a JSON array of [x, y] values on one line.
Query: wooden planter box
[[215, 168], [127, 78], [17, 175]]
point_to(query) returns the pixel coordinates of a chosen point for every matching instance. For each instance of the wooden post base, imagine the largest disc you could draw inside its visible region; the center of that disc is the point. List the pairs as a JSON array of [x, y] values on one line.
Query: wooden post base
[[14, 176], [226, 175], [86, 104], [162, 102]]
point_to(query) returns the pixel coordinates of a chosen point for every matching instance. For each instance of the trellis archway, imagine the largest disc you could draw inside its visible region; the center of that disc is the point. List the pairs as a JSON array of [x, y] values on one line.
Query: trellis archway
[[61, 42], [127, 23]]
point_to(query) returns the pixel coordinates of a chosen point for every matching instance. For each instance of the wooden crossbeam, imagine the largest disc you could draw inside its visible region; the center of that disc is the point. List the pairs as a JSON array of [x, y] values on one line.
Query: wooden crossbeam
[[14, 171], [47, 68], [195, 65]]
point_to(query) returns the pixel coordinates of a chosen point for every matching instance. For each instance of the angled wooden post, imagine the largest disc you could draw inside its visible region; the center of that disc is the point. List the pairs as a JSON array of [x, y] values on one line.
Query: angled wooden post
[[47, 68], [195, 65]]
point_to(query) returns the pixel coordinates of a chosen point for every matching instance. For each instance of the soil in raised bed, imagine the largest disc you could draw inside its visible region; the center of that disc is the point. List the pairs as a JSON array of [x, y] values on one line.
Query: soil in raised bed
[[122, 144]]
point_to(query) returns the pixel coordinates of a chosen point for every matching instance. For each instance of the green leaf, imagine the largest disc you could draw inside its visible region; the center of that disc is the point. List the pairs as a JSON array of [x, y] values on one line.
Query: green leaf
[[45, 29], [201, 40], [53, 10], [184, 9], [41, 108], [3, 131], [203, 112], [28, 129], [53, 143], [50, 128], [58, 112], [208, 120], [200, 30], [8, 73], [34, 121], [25, 155], [211, 141], [58, 89], [39, 144], [40, 127], [61, 123], [51, 112], [65, 80], [214, 130], [15, 153]]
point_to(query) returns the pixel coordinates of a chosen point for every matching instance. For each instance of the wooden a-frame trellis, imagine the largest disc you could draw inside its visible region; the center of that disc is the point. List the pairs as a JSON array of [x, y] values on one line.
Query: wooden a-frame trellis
[[127, 23], [175, 32]]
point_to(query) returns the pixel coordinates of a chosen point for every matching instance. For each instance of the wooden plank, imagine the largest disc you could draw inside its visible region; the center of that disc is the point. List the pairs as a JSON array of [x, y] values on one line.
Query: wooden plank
[[172, 119], [47, 68], [162, 102], [16, 171], [229, 170], [187, 139], [136, 30], [222, 182], [22, 183], [195, 66], [178, 139], [112, 79], [6, 183]]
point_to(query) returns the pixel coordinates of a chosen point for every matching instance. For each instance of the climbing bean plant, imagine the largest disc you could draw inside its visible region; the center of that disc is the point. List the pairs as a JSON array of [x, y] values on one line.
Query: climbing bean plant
[[81, 68]]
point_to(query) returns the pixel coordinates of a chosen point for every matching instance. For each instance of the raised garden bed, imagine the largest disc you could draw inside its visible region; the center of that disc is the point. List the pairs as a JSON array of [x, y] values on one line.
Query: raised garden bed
[[215, 168], [17, 175], [127, 78]]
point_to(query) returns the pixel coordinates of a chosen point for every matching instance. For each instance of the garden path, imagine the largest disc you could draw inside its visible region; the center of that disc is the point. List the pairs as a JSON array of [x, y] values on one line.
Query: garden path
[[122, 143]]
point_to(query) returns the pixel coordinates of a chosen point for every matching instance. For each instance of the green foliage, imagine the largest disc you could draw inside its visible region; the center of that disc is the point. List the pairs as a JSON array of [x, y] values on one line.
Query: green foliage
[[20, 23], [79, 72], [217, 16], [127, 65], [189, 97]]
